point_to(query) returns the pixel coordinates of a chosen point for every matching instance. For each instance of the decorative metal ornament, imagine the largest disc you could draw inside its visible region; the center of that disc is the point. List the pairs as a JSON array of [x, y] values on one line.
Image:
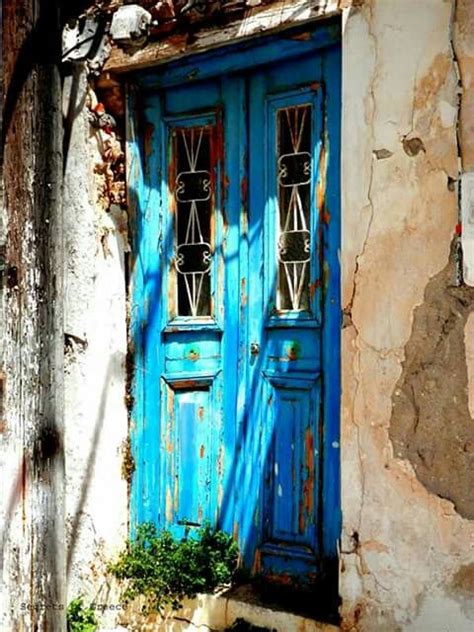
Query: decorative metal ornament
[[193, 192], [294, 169]]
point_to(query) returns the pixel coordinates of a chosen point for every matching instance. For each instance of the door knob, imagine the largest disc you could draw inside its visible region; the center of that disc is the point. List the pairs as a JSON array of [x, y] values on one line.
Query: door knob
[[254, 348]]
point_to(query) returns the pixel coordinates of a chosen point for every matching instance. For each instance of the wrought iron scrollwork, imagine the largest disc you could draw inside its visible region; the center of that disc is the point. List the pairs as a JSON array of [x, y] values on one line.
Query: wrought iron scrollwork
[[294, 170], [193, 192]]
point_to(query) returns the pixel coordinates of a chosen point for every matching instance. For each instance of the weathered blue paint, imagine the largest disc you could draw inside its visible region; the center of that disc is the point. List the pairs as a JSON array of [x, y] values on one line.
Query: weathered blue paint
[[331, 517], [247, 55], [248, 441]]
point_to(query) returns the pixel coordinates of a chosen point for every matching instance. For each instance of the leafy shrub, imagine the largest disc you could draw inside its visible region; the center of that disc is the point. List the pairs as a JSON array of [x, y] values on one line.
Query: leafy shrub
[[166, 571], [80, 618]]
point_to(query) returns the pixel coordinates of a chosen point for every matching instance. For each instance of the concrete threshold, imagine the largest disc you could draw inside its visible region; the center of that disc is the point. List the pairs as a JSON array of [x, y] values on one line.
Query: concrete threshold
[[217, 613]]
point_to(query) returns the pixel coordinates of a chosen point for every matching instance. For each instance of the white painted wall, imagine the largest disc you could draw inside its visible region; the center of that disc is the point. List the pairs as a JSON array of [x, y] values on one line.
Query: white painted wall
[[95, 410]]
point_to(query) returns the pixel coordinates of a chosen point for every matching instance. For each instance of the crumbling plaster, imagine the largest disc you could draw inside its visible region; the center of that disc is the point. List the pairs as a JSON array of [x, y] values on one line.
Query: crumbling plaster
[[463, 41], [403, 547], [95, 352], [401, 544]]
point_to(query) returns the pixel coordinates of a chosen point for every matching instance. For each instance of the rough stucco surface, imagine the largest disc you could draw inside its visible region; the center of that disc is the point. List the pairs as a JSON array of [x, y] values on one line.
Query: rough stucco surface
[[402, 544], [431, 424], [464, 48], [463, 40], [469, 342], [95, 410]]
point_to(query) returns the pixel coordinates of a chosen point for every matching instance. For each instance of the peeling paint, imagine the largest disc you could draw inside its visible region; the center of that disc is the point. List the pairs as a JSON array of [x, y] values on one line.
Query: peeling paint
[[413, 146], [399, 128], [382, 154], [431, 424]]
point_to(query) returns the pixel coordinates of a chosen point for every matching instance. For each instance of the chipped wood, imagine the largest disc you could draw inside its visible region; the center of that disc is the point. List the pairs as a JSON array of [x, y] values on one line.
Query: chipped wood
[[32, 530], [258, 20]]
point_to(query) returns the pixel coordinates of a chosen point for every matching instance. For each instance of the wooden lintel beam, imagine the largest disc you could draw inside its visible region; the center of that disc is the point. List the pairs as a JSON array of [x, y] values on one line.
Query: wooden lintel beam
[[264, 19]]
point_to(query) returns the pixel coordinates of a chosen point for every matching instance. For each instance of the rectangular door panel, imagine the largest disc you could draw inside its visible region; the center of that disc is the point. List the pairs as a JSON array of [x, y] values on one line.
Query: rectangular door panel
[[189, 438], [292, 350], [192, 353], [190, 237], [290, 494]]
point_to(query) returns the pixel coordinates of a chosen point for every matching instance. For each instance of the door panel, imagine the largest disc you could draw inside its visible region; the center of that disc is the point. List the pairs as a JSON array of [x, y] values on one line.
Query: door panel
[[189, 239], [284, 386], [189, 439], [290, 483], [192, 310], [233, 288]]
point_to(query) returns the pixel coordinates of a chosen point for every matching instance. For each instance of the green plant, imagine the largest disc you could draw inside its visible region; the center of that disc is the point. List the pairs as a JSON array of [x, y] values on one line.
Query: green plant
[[80, 618], [166, 571]]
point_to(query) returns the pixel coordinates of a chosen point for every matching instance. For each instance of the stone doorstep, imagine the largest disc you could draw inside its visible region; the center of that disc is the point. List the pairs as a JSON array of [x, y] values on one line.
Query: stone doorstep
[[212, 613]]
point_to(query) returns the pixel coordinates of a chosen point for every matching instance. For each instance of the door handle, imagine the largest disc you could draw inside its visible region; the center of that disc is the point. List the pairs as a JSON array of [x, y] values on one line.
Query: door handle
[[254, 348]]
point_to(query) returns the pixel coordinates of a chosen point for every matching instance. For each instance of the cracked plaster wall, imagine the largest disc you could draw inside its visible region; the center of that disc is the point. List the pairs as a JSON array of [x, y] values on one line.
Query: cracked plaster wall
[[95, 350], [402, 544]]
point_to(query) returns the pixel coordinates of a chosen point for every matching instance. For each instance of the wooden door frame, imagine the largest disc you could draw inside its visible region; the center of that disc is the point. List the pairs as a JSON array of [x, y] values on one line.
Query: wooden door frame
[[324, 39]]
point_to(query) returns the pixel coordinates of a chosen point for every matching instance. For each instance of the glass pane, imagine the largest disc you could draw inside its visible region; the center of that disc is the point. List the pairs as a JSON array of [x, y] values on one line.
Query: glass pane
[[294, 170], [194, 194]]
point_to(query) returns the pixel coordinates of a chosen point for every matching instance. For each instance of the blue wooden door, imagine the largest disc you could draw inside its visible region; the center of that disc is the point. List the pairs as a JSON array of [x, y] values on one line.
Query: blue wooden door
[[235, 315]]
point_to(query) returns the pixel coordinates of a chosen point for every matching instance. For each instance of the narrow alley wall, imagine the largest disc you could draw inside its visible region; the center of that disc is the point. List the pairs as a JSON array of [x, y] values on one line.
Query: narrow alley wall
[[95, 350]]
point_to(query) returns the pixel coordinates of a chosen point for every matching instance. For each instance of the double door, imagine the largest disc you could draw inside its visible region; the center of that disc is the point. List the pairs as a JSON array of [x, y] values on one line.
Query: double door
[[235, 310]]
